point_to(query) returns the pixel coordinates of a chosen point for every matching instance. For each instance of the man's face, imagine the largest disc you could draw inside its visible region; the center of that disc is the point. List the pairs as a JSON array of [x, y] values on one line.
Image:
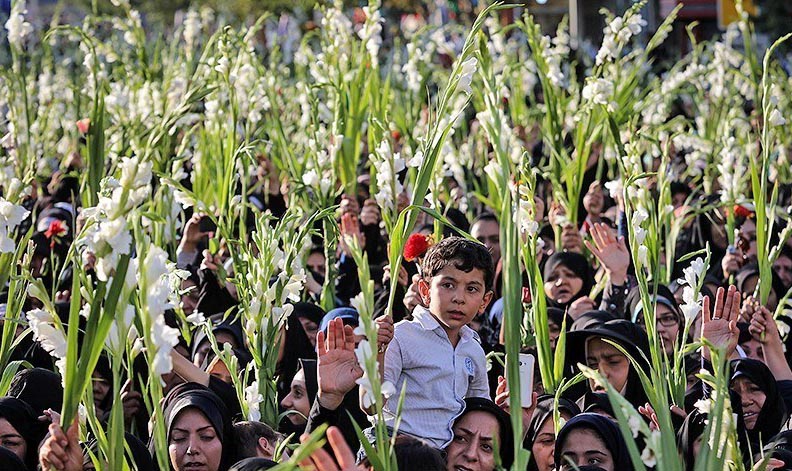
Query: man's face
[[488, 233], [783, 267], [473, 445], [455, 297]]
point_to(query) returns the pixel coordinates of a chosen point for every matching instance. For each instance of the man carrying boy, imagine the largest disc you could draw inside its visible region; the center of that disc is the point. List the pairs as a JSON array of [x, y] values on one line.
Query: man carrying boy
[[436, 356]]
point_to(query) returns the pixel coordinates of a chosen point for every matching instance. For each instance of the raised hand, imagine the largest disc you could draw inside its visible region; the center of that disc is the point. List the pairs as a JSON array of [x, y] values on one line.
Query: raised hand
[[193, 234], [350, 227], [320, 459], [384, 332], [719, 327], [337, 365], [610, 251], [61, 451], [502, 401], [571, 241]]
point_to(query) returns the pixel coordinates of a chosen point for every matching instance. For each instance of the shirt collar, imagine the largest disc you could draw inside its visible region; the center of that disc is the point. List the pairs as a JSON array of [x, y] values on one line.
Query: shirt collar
[[428, 322]]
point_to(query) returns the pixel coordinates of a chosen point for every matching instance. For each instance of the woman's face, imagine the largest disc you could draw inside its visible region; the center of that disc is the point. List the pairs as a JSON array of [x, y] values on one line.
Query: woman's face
[[190, 298], [473, 445], [311, 329], [562, 285], [584, 447], [609, 361], [544, 446], [297, 399], [205, 348], [193, 443], [752, 399], [101, 387], [555, 331], [667, 327], [11, 439]]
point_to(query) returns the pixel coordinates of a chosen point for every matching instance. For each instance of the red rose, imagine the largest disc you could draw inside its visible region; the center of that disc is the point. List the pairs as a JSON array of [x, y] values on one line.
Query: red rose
[[742, 211], [396, 135], [416, 246], [84, 125]]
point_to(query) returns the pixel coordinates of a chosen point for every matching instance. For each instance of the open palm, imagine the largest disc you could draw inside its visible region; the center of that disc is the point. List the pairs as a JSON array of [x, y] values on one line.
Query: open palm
[[609, 250], [719, 326], [337, 366]]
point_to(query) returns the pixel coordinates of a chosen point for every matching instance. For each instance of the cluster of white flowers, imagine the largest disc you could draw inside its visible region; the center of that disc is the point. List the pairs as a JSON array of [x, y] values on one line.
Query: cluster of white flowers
[[108, 236], [639, 216], [370, 365], [253, 399], [16, 25], [691, 297], [775, 118], [524, 217], [553, 56], [731, 171], [371, 32], [469, 68], [11, 215], [192, 28], [51, 338], [158, 295], [325, 146], [617, 34], [387, 166], [599, 91]]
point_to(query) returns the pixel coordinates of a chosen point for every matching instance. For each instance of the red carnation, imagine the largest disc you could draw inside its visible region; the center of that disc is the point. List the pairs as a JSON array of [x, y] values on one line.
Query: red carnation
[[84, 125], [742, 211], [55, 231], [416, 246]]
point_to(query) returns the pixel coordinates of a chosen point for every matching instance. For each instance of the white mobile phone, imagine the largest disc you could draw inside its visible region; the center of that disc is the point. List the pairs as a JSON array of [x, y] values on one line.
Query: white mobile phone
[[526, 379]]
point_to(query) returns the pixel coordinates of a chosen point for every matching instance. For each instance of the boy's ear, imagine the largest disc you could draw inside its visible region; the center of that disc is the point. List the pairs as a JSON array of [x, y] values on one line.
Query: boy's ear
[[423, 289], [266, 446], [485, 302]]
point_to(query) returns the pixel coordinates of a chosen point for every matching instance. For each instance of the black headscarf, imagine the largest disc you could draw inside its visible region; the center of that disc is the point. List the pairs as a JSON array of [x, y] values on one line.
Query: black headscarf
[[194, 395], [773, 413], [309, 311], [39, 388], [557, 316], [664, 297], [504, 425], [545, 405], [576, 263], [296, 346], [597, 403], [311, 379], [231, 326], [590, 319], [691, 429], [630, 337], [608, 432], [9, 460], [752, 270], [25, 421], [253, 464]]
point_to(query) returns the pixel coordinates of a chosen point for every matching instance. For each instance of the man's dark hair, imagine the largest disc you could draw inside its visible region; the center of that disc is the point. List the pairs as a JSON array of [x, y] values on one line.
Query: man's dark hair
[[247, 434], [485, 216], [464, 254]]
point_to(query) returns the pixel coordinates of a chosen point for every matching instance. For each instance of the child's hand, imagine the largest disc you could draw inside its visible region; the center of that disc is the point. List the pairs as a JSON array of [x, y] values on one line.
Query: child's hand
[[384, 332]]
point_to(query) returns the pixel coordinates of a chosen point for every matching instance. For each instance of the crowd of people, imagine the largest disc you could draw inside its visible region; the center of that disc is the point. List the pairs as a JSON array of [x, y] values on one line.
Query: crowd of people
[[454, 413]]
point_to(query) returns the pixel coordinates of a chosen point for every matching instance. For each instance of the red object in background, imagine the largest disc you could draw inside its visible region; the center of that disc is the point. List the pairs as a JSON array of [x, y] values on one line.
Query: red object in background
[[84, 125], [396, 135], [742, 211], [526, 295], [56, 229], [416, 246]]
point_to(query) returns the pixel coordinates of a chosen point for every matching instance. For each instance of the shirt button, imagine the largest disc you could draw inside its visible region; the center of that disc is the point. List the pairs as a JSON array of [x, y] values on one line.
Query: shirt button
[[612, 306]]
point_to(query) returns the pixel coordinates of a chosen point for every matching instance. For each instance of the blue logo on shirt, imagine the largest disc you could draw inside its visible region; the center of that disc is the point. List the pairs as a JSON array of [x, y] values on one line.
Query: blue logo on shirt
[[469, 366]]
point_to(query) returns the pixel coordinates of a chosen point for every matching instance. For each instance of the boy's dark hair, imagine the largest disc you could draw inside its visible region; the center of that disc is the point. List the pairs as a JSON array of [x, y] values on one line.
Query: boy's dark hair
[[247, 434], [465, 254]]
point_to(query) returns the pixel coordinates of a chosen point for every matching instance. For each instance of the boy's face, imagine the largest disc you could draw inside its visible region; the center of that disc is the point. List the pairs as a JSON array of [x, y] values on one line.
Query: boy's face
[[454, 297]]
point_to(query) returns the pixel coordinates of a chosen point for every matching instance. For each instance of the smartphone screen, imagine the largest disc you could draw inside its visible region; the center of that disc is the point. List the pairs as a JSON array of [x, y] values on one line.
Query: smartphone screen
[[527, 362]]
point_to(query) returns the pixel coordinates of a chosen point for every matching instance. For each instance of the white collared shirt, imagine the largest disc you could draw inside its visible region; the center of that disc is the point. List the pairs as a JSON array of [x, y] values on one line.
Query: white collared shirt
[[438, 377]]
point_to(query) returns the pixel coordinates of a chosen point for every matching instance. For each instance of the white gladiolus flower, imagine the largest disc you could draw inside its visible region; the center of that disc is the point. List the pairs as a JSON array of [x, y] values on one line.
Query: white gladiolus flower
[[196, 318], [163, 338], [16, 25], [648, 454], [643, 255], [634, 421], [253, 399], [52, 339], [466, 75], [11, 216], [599, 91], [358, 304], [417, 160], [776, 119], [310, 178]]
